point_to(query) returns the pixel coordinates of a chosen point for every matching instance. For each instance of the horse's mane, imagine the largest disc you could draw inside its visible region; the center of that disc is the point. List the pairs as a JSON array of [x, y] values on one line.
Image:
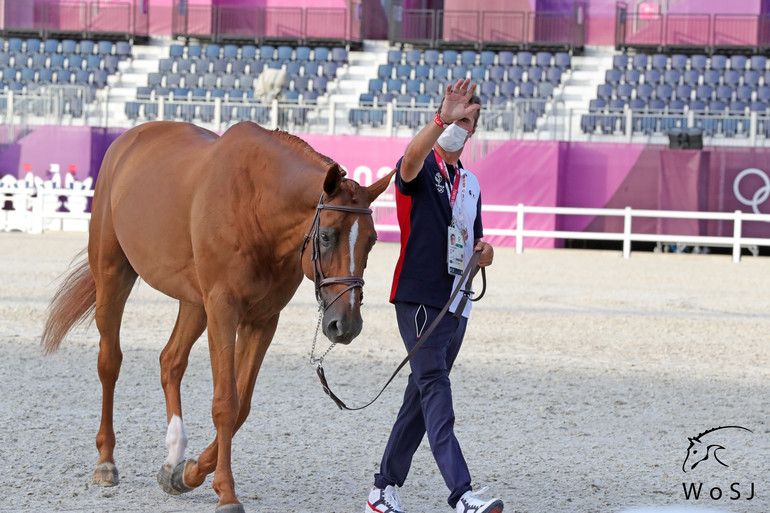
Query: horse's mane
[[302, 145]]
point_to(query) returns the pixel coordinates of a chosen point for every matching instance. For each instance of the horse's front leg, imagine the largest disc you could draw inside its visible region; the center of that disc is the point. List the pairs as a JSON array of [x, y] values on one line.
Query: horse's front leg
[[190, 323], [253, 340]]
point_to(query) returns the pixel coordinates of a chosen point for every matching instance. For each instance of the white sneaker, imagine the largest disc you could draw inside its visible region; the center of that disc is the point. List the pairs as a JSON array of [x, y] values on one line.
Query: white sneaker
[[470, 503], [384, 501]]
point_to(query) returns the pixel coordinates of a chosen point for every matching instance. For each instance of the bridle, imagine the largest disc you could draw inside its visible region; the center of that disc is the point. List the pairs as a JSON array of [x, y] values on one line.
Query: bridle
[[313, 236]]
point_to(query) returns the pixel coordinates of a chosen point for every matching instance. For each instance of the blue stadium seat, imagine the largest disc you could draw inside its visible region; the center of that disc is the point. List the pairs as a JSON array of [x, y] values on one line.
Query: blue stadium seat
[[413, 57], [75, 62], [321, 53], [82, 77], [691, 77], [632, 76], [468, 58], [505, 58], [731, 77], [403, 71], [458, 72], [508, 89], [173, 80], [393, 57], [724, 93], [612, 76], [104, 48], [698, 62], [385, 71], [543, 59], [228, 81], [671, 76], [639, 61], [652, 77], [284, 53], [743, 93], [413, 86], [86, 47], [33, 45], [111, 63], [515, 73], [644, 91], [524, 59], [718, 62], [302, 54], [562, 60], [310, 68], [679, 62], [738, 63], [758, 63], [230, 52], [430, 57], [488, 88], [604, 91], [620, 61], [664, 91], [751, 78], [683, 92], [376, 85], [711, 77], [704, 92], [487, 58], [393, 85], [422, 71], [267, 52], [449, 57], [440, 72], [293, 68], [657, 104], [50, 46], [212, 51], [56, 61], [69, 46], [659, 62], [249, 52], [496, 73], [534, 74], [238, 66], [15, 44], [527, 89], [123, 50], [624, 91]]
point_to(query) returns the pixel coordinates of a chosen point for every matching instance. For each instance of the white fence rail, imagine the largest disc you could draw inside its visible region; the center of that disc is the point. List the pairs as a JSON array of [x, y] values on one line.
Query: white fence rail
[[627, 236], [38, 209]]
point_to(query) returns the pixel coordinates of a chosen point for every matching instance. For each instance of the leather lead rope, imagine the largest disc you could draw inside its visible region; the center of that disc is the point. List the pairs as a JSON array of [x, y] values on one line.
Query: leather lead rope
[[470, 272]]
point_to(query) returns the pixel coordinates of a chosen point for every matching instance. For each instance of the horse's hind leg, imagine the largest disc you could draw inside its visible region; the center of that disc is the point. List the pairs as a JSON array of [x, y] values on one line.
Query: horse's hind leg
[[190, 323], [114, 279]]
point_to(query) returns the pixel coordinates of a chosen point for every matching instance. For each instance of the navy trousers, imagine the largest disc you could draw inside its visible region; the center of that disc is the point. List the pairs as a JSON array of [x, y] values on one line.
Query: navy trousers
[[427, 405]]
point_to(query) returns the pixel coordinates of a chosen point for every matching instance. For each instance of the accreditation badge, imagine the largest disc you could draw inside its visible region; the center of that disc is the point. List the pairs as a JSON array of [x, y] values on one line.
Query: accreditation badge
[[455, 251]]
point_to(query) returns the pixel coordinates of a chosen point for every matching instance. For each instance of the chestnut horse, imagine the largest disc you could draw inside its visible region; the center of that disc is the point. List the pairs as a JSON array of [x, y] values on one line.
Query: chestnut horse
[[220, 224]]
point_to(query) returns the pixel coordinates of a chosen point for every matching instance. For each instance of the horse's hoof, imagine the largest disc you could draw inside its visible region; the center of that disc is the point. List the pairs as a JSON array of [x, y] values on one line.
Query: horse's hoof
[[106, 474], [230, 508], [172, 479]]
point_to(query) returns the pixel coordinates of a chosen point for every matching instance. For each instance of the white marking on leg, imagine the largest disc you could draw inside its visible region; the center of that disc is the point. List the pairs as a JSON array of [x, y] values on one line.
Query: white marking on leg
[[176, 441], [353, 240]]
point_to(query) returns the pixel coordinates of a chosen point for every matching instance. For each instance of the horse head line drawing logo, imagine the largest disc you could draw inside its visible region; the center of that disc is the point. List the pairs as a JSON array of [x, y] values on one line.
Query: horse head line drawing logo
[[701, 451]]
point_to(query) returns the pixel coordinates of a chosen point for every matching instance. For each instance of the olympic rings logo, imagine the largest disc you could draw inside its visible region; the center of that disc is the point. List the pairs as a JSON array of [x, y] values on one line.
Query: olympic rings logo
[[761, 194]]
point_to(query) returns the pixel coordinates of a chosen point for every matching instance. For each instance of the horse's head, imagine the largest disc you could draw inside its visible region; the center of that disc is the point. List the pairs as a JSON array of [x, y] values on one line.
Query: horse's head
[[696, 453], [341, 237]]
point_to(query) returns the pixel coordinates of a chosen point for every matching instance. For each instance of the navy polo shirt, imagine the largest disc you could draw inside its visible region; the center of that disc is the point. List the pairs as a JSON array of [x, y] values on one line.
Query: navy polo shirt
[[424, 214]]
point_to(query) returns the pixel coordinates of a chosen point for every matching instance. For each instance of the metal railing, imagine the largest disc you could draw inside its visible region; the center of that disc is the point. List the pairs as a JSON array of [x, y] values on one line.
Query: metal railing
[[695, 31], [520, 232], [436, 28], [255, 24], [94, 19]]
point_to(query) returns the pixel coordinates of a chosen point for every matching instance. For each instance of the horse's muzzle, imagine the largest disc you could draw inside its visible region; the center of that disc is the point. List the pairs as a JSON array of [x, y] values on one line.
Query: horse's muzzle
[[342, 328]]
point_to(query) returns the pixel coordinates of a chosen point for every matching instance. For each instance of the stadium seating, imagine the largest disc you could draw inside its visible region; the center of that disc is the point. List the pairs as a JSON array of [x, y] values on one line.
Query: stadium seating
[[29, 64], [229, 72], [714, 93], [416, 79]]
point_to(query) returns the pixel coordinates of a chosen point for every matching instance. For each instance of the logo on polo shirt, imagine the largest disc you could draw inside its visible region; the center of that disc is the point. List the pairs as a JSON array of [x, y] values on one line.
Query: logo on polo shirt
[[439, 183]]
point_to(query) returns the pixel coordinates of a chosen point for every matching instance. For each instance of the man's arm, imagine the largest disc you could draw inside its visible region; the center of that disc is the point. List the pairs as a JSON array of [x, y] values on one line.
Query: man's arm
[[456, 106]]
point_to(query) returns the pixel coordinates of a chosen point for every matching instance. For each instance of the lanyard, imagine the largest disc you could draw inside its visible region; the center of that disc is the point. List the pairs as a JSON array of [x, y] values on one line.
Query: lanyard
[[445, 174]]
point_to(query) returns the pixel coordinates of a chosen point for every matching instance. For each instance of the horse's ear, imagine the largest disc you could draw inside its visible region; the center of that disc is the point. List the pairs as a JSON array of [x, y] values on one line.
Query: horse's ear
[[379, 186], [333, 179]]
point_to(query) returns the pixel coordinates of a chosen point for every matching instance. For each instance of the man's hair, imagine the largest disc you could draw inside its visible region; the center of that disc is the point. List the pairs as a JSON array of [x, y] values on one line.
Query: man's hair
[[475, 100]]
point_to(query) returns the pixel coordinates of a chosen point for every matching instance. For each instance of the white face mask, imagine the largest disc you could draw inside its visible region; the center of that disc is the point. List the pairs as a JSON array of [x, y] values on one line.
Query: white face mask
[[453, 138]]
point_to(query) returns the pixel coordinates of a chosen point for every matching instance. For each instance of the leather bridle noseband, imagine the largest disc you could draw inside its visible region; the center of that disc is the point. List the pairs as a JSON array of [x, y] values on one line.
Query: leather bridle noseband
[[313, 236]]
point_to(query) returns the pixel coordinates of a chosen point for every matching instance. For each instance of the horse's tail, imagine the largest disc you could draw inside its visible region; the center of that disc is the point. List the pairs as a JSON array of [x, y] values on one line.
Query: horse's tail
[[71, 306]]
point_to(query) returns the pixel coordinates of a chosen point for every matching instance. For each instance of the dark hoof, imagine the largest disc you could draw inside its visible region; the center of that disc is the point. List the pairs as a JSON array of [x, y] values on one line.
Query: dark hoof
[[106, 474], [172, 480], [230, 508]]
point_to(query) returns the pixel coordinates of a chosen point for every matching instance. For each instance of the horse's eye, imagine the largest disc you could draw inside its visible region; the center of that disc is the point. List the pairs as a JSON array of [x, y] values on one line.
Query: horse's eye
[[325, 240]]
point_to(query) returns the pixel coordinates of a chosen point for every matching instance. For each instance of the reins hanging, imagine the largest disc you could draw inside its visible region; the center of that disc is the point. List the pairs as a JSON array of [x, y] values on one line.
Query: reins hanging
[[470, 272]]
